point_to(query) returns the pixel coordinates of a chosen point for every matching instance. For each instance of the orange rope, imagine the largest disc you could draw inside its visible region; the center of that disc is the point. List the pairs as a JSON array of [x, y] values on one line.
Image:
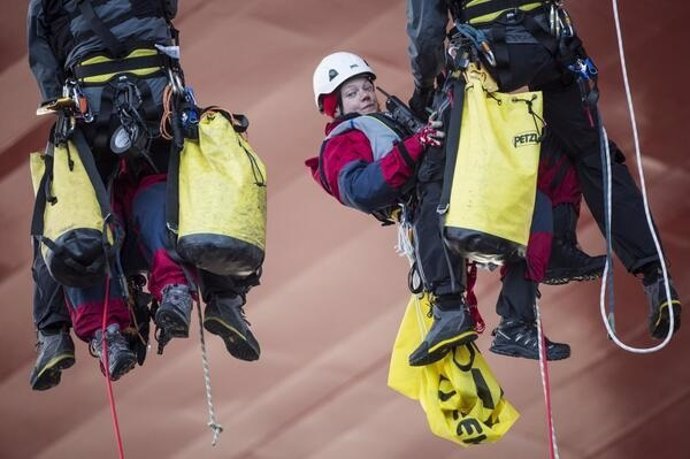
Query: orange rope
[[166, 119], [109, 383]]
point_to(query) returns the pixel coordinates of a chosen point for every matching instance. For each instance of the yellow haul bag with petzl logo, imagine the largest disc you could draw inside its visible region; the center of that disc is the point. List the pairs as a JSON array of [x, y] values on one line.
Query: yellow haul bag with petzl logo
[[462, 399], [70, 212], [494, 175], [222, 198]]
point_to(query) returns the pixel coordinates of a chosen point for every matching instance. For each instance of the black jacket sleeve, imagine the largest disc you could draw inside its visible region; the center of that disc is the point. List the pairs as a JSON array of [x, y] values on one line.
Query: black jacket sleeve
[[170, 7], [426, 31], [44, 64]]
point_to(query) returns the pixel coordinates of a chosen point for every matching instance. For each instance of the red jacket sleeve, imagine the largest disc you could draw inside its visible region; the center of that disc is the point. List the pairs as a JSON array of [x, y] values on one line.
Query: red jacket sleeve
[[355, 179]]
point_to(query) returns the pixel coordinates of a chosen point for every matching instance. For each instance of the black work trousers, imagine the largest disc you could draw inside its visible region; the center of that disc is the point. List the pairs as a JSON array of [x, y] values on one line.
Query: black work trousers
[[224, 286], [49, 309], [442, 272], [568, 120]]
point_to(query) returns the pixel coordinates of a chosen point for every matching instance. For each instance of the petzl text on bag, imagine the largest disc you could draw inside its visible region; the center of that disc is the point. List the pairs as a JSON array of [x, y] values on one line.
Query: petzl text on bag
[[461, 397], [495, 172], [69, 213], [222, 198]]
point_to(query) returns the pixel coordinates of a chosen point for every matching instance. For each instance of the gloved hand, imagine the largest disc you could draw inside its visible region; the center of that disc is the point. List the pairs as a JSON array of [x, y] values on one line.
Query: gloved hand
[[420, 100], [432, 134]]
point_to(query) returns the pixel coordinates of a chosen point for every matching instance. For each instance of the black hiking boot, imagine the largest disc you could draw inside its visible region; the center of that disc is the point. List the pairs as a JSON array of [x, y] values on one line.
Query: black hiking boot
[[121, 359], [659, 317], [175, 311], [569, 263], [224, 316], [450, 328], [55, 353], [520, 339]]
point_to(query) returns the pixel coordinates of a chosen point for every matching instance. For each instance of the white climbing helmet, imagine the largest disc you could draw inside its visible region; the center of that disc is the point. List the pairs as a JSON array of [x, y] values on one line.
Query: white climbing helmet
[[334, 70]]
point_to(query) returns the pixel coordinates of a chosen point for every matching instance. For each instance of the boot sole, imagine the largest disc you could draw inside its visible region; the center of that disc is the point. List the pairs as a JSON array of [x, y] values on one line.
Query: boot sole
[[663, 323], [49, 377], [438, 351], [236, 344], [561, 280], [174, 324], [124, 366], [515, 351]]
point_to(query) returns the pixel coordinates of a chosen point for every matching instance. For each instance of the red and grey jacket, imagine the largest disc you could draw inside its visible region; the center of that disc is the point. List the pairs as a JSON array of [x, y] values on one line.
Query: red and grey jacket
[[365, 163]]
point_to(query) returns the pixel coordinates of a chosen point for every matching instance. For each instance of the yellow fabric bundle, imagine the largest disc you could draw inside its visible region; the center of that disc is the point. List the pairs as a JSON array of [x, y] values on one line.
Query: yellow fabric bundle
[[461, 397]]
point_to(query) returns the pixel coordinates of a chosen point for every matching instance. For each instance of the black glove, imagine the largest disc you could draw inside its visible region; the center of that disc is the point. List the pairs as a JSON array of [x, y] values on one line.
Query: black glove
[[420, 100]]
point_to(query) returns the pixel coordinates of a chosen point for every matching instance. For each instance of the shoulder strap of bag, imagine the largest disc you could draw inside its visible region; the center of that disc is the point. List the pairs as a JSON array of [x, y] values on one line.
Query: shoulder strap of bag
[[172, 205], [43, 195], [87, 160], [42, 198], [452, 143]]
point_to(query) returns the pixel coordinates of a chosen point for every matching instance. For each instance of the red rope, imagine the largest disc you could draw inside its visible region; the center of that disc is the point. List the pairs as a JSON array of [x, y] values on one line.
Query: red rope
[[479, 325], [543, 361], [104, 362]]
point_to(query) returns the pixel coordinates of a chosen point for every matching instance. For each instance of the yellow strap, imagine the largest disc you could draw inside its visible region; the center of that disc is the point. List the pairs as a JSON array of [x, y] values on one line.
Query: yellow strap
[[143, 52], [491, 16]]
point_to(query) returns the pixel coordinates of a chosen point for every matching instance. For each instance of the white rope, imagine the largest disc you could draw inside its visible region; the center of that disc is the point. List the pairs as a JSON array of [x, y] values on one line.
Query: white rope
[[212, 423], [543, 369], [404, 247], [643, 187]]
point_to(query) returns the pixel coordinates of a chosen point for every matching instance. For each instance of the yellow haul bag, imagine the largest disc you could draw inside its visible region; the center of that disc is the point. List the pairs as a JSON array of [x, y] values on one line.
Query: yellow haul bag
[[222, 198], [69, 211], [494, 175], [462, 399]]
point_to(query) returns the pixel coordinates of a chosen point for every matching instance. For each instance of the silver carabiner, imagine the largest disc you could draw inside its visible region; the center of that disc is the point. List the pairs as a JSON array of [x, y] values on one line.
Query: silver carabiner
[[553, 20], [566, 23], [488, 54], [175, 81]]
